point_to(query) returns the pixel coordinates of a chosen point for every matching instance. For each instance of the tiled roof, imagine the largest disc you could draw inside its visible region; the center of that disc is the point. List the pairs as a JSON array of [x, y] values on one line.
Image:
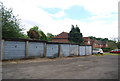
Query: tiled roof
[[62, 35], [102, 42], [86, 38], [94, 41]]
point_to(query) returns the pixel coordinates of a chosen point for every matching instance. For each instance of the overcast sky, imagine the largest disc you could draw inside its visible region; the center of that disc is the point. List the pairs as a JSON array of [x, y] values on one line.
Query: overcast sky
[[94, 17]]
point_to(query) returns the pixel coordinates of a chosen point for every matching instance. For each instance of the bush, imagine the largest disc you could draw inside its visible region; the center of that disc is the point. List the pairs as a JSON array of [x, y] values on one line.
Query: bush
[[107, 49]]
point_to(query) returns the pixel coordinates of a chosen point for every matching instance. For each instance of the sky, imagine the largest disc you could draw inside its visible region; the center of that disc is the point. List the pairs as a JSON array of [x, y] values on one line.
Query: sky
[[97, 18]]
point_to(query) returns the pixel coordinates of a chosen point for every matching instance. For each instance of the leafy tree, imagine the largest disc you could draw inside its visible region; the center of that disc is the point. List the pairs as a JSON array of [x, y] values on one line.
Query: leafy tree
[[105, 39], [118, 45], [0, 20], [43, 36], [112, 45], [75, 35], [102, 39], [25, 36], [10, 24], [116, 42], [35, 33], [35, 28], [77, 29], [91, 37], [98, 38], [71, 34], [50, 36]]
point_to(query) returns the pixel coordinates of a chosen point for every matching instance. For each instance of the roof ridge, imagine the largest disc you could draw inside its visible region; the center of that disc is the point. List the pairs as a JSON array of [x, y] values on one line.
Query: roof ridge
[[62, 35]]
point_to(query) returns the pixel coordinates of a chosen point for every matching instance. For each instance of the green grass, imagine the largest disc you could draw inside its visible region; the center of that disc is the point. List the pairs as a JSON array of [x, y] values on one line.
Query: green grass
[[111, 53], [107, 54]]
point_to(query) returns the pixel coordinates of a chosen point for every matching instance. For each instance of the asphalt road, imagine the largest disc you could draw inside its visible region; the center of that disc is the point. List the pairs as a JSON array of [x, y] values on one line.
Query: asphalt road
[[89, 67]]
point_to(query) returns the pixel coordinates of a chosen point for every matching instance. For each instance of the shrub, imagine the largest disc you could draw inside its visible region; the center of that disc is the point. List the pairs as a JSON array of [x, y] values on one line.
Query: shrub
[[107, 49]]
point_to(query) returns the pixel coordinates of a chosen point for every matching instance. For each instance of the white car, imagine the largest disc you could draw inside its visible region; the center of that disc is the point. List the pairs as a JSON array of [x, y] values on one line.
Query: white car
[[97, 51]]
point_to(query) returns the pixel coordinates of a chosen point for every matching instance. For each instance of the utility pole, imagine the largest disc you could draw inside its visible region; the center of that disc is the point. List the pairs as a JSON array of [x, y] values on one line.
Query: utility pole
[[118, 21], [1, 22], [1, 43]]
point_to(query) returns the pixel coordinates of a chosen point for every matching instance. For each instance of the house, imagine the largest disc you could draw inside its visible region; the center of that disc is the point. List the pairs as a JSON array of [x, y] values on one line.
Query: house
[[103, 44], [87, 40], [95, 43], [62, 37]]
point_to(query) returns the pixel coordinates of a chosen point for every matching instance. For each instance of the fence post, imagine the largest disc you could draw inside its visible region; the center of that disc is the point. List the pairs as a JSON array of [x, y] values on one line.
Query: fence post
[[59, 55], [45, 47], [69, 49], [26, 48], [78, 50], [85, 51], [91, 50], [2, 49]]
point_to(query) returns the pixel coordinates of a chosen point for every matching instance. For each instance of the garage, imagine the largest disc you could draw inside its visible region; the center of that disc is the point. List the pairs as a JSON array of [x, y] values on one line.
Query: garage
[[65, 50], [52, 50], [14, 49], [36, 49], [82, 50], [74, 50]]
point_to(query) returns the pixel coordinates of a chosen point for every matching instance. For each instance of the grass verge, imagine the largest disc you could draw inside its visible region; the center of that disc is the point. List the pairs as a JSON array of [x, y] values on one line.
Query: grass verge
[[112, 54], [108, 54]]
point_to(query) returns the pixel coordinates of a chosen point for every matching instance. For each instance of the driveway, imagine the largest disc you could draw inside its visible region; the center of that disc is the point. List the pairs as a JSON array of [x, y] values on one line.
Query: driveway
[[87, 67]]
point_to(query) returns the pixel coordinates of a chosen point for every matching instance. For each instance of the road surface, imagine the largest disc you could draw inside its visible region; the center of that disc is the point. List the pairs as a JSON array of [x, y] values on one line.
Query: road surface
[[87, 67]]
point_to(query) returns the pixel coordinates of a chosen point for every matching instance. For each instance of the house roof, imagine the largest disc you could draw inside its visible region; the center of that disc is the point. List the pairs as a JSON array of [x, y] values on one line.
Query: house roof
[[94, 41], [102, 42], [61, 35], [86, 38]]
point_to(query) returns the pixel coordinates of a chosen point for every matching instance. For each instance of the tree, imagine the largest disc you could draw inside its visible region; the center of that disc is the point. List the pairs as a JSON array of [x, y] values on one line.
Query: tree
[[50, 36], [75, 35], [35, 33], [102, 39], [105, 39], [77, 29], [116, 40], [71, 33], [43, 36], [92, 37], [112, 45], [118, 45], [10, 24]]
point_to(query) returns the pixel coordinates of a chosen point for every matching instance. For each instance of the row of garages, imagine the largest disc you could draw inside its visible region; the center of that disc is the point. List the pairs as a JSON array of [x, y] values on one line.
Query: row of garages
[[17, 49]]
